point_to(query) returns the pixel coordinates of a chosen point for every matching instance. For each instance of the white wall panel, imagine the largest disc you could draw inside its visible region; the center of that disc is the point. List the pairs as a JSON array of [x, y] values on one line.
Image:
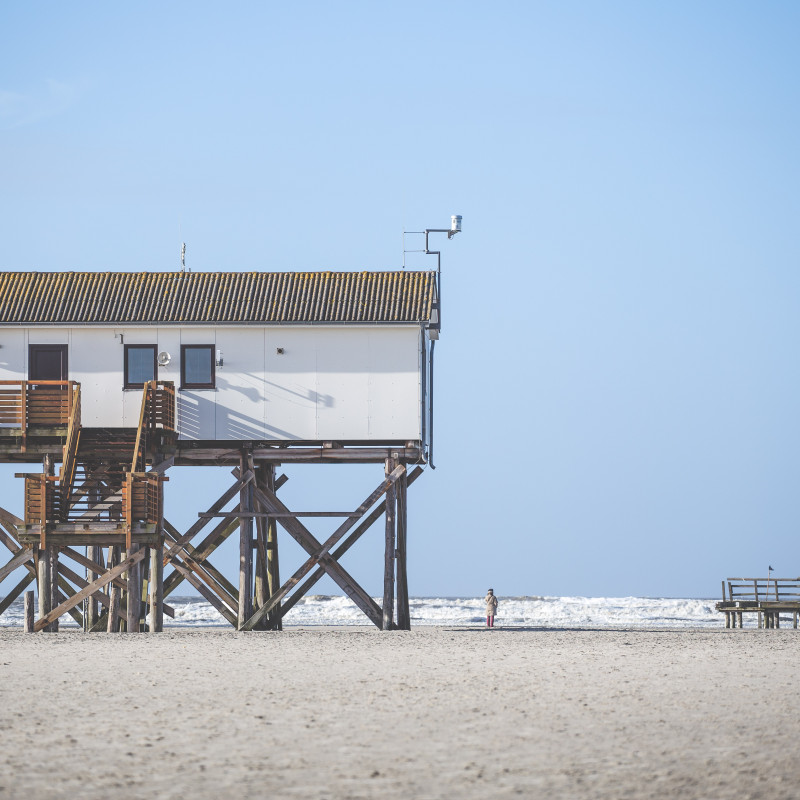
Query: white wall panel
[[290, 383], [330, 383], [13, 354]]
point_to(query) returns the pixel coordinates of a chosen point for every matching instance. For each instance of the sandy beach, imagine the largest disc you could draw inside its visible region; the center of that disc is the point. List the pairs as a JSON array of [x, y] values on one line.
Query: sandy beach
[[433, 713]]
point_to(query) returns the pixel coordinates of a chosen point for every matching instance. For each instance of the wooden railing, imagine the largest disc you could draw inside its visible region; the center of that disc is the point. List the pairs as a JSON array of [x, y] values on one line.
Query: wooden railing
[[41, 499], [36, 404], [157, 413], [141, 499], [66, 477]]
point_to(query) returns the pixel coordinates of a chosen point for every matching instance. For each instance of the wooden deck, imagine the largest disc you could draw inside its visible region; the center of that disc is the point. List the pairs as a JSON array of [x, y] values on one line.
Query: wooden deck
[[766, 597]]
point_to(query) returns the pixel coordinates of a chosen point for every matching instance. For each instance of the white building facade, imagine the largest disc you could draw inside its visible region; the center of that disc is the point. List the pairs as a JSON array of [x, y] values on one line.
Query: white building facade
[[274, 357]]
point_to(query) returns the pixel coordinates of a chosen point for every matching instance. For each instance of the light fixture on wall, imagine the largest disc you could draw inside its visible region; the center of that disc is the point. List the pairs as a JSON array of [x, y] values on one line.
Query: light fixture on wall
[[219, 360]]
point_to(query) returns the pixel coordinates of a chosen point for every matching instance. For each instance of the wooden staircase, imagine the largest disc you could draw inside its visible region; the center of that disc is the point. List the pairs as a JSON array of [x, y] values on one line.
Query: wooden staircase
[[102, 492]]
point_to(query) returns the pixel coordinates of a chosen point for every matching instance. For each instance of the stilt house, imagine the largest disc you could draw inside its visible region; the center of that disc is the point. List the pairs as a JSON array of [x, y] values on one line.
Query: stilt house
[[112, 379]]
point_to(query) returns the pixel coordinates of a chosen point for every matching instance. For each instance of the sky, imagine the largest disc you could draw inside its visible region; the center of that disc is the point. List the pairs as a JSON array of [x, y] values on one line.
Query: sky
[[616, 382]]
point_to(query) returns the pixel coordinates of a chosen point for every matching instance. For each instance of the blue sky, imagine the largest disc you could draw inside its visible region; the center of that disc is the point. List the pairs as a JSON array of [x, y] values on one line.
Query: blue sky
[[617, 382]]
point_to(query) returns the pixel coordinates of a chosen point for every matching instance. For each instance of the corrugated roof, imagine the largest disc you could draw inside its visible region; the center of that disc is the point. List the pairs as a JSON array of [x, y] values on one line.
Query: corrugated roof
[[219, 297]]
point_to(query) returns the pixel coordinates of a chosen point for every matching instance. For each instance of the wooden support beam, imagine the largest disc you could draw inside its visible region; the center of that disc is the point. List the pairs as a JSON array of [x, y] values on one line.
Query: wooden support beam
[[107, 577], [370, 520], [97, 569], [264, 476], [93, 607], [12, 595], [245, 546], [201, 552], [135, 588], [390, 503], [403, 608], [203, 574], [201, 523], [206, 592], [319, 553], [113, 610], [99, 596], [29, 611], [21, 557], [156, 621], [43, 584]]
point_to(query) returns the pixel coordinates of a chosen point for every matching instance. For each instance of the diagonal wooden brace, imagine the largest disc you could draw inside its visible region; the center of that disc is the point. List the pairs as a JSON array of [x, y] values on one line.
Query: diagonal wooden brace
[[17, 560], [90, 589], [201, 523], [319, 553], [376, 514]]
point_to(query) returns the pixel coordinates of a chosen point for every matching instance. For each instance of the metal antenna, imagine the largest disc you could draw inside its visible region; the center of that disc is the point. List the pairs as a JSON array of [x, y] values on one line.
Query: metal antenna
[[183, 257]]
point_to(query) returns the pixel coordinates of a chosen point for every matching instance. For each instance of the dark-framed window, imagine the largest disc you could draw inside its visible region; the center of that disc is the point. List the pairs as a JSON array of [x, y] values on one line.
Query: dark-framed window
[[140, 365], [47, 362], [197, 366]]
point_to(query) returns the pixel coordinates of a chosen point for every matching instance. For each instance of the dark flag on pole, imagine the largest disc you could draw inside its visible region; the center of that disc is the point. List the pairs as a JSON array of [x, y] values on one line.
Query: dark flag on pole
[[771, 570]]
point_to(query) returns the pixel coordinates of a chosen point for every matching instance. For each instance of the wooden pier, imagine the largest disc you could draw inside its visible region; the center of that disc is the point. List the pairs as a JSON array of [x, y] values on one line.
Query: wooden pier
[[766, 597]]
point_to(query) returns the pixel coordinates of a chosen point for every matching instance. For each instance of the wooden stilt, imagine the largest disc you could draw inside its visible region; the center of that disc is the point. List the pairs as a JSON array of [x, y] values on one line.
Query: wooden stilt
[[261, 592], [52, 553], [403, 611], [245, 546], [29, 612], [389, 551], [275, 616], [114, 594], [93, 605], [43, 581], [157, 589], [134, 592]]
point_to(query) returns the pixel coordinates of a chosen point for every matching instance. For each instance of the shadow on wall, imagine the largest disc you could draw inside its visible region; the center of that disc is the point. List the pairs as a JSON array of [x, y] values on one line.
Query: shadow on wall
[[201, 419]]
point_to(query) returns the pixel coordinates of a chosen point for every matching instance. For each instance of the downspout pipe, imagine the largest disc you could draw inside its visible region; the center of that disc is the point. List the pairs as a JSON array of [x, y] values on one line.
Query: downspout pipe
[[430, 389]]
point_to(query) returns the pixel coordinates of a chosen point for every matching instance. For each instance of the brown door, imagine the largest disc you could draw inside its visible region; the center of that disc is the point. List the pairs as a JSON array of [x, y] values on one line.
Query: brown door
[[47, 362]]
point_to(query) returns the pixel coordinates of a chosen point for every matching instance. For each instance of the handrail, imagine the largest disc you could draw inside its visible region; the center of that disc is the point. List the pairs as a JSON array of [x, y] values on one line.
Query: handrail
[[146, 389], [157, 411], [70, 457]]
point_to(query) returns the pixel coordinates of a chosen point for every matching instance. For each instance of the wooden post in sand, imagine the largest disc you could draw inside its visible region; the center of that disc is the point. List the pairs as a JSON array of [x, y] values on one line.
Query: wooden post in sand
[[156, 621], [403, 611], [245, 544], [43, 566], [113, 610], [29, 606], [261, 592], [389, 551], [134, 592], [93, 605]]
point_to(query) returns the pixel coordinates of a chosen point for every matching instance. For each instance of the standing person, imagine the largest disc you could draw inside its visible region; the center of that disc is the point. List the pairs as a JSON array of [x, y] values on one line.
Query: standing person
[[491, 608]]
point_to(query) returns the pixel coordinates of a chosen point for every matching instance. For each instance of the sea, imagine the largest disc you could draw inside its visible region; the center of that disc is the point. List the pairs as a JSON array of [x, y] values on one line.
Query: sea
[[517, 612]]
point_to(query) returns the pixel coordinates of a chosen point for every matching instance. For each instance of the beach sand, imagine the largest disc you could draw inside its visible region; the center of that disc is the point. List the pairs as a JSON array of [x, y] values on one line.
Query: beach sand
[[431, 713]]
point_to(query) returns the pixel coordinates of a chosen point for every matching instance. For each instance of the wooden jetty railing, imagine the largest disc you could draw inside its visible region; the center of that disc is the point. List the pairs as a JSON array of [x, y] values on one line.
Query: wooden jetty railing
[[767, 597]]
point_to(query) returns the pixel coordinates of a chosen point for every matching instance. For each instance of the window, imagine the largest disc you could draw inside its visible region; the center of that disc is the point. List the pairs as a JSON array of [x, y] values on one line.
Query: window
[[47, 362], [140, 365], [197, 366]]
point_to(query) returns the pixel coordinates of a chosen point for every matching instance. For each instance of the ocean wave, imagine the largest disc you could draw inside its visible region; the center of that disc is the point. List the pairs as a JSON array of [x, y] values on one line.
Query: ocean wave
[[523, 611]]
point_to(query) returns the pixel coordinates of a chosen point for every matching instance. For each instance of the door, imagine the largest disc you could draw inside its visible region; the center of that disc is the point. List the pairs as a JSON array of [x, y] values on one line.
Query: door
[[47, 362]]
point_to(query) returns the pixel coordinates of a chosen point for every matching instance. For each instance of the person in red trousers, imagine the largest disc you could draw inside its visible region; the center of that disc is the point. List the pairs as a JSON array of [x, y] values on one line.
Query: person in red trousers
[[491, 608]]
